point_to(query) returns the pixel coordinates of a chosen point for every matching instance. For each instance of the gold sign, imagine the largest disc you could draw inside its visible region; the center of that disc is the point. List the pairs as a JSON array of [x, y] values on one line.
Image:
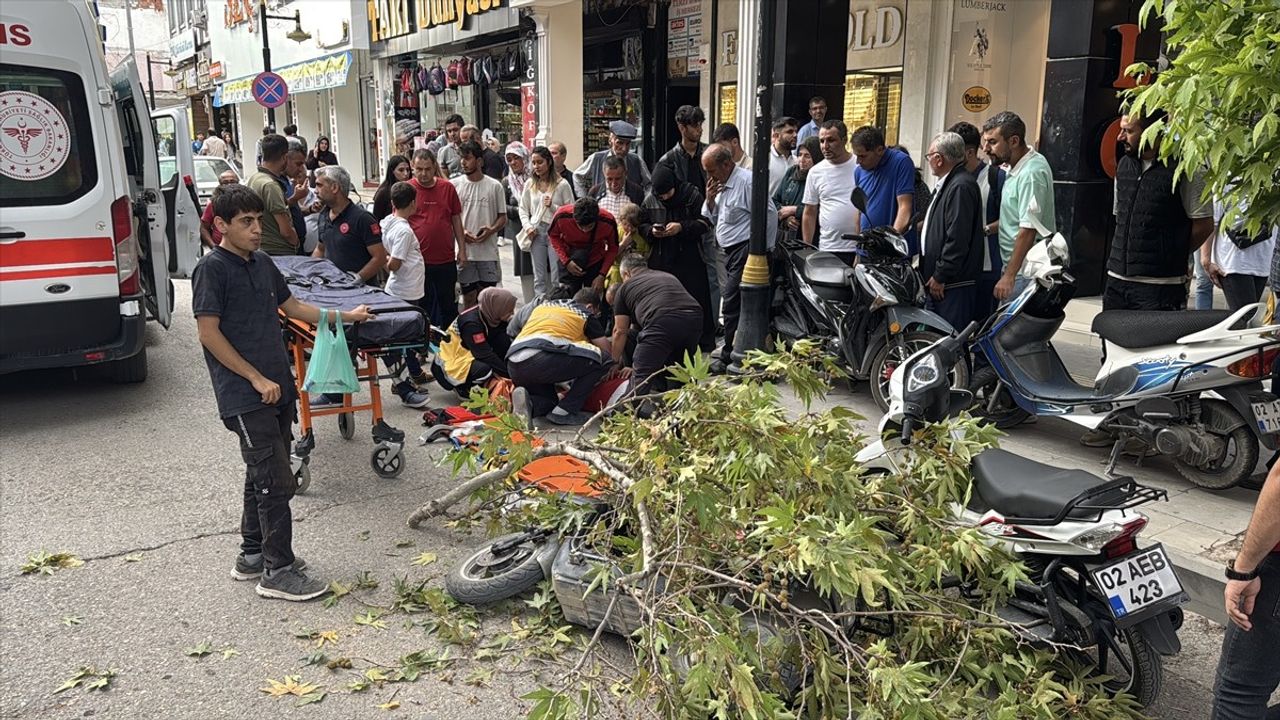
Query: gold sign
[[432, 13], [389, 18], [976, 99], [728, 103]]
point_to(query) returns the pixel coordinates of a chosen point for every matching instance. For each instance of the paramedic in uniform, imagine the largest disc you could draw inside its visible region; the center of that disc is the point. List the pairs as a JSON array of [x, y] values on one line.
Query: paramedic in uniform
[[349, 236]]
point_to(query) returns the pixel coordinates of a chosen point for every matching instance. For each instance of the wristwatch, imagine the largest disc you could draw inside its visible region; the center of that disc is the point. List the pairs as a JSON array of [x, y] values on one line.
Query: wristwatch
[[1233, 574]]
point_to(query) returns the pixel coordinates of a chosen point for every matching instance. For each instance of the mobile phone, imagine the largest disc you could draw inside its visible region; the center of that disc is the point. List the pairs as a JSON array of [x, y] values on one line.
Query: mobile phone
[[657, 227]]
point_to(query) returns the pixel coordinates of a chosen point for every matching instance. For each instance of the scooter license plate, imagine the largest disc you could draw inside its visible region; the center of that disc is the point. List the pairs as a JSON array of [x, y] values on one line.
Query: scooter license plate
[[1138, 581], [1267, 415]]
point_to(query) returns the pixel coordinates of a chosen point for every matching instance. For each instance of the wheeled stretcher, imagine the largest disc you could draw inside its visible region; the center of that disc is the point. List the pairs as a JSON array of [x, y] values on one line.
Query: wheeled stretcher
[[396, 327]]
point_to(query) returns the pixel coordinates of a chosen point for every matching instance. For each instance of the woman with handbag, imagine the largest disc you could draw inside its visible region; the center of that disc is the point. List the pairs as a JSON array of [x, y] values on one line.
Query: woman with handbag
[[517, 156], [543, 193]]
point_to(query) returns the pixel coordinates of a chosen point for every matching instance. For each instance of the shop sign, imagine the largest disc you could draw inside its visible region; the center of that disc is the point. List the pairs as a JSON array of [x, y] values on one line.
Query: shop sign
[[729, 47], [976, 99], [433, 13], [1108, 151], [320, 74], [876, 34], [182, 46], [215, 70], [238, 12], [529, 112], [390, 18]]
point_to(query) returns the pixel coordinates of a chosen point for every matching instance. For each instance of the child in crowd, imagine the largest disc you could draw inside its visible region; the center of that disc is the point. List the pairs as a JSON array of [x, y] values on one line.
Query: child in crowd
[[407, 281], [629, 241]]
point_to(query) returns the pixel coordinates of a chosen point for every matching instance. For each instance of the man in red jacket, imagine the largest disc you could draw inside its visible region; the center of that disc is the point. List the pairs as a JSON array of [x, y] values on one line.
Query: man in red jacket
[[585, 239]]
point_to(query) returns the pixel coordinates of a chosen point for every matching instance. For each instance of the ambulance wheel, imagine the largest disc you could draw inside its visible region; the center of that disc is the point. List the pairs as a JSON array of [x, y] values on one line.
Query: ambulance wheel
[[347, 425], [385, 464], [129, 370], [303, 478]]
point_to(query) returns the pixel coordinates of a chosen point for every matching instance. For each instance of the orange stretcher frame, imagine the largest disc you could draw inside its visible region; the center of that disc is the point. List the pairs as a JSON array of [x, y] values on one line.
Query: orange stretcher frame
[[387, 459]]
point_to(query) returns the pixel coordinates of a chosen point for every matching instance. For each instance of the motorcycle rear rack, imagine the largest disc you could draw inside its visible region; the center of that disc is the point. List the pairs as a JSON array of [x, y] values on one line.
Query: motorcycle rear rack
[[1133, 496]]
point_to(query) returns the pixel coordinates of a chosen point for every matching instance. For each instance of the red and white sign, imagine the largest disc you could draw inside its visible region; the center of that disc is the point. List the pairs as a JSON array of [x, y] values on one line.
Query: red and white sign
[[34, 142], [529, 112]]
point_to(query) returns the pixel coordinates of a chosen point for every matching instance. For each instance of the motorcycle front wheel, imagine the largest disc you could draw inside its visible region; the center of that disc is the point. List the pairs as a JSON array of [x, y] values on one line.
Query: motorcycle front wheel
[[894, 352], [992, 402], [489, 575]]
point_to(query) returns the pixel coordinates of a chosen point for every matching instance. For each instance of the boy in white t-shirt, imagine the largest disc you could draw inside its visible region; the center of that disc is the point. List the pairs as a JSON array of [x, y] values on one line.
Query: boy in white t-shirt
[[408, 277]]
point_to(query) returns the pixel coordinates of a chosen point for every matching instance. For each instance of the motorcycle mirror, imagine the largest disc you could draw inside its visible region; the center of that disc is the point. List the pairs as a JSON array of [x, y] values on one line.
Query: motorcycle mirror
[[859, 199]]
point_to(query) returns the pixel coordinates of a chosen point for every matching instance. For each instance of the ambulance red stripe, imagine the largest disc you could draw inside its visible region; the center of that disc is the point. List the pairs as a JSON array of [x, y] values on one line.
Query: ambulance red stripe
[[57, 251], [54, 273]]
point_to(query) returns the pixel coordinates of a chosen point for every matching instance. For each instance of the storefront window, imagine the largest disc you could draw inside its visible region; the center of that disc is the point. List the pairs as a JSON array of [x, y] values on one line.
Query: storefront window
[[612, 90], [874, 97]]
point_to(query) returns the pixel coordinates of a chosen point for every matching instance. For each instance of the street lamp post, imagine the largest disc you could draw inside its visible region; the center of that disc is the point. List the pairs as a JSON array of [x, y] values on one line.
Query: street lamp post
[[753, 326], [297, 35]]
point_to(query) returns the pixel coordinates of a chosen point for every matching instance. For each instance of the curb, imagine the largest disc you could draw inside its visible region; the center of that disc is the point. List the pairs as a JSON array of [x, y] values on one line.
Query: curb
[[1204, 583]]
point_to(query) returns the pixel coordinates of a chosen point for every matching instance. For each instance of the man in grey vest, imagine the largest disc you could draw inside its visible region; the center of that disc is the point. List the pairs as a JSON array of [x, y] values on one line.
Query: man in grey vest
[[591, 173]]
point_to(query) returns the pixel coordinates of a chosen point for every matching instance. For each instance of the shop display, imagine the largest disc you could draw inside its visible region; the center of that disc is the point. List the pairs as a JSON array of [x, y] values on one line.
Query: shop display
[[603, 107]]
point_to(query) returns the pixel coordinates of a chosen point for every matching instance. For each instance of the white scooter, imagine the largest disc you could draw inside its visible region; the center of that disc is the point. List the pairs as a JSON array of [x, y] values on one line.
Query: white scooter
[[1090, 585], [1185, 384]]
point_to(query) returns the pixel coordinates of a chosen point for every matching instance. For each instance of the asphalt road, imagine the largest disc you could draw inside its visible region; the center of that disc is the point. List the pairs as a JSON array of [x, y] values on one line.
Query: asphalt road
[[143, 483]]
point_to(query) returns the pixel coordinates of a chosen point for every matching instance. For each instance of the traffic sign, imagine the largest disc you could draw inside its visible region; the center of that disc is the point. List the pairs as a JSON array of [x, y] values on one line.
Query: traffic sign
[[270, 90]]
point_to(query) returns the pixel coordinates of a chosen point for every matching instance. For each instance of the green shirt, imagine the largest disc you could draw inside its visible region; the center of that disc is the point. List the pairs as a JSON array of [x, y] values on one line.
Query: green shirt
[[268, 188], [1027, 197]]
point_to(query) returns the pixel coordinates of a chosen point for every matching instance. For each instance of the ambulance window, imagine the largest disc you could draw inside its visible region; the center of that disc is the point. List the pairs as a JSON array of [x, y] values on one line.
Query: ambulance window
[[46, 138], [165, 147]]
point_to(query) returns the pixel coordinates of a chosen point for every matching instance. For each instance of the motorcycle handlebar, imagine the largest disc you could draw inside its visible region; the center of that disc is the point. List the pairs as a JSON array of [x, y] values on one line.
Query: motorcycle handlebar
[[908, 426]]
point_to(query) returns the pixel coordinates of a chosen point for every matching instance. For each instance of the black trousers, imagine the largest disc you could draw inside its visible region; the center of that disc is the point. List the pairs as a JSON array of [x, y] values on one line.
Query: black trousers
[[441, 300], [735, 259], [266, 522], [662, 344], [479, 372], [539, 373], [1242, 290], [1125, 295], [684, 260], [577, 282]]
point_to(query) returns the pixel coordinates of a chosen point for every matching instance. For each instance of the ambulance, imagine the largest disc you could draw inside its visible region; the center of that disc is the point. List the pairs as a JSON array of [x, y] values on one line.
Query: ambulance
[[83, 257]]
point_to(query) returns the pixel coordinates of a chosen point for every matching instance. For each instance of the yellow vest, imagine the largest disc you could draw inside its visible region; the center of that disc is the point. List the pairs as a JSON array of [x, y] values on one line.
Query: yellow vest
[[557, 326]]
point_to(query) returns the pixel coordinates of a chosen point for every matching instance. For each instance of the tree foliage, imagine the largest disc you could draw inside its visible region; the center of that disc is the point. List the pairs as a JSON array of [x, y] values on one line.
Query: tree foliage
[[1222, 93], [755, 515]]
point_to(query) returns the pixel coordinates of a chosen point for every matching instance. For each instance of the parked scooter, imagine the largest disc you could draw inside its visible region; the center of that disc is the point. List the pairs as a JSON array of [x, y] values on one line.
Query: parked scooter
[[871, 316], [1090, 584], [1185, 384]]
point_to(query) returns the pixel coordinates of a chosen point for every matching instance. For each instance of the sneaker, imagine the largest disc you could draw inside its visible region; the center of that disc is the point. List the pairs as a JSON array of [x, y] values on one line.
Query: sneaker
[[291, 584], [520, 406], [574, 419], [1098, 438], [322, 400], [244, 570], [421, 379], [718, 367], [410, 396]]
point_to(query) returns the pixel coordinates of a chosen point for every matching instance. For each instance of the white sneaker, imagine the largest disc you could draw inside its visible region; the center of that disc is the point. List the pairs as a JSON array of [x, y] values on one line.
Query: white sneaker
[[520, 406]]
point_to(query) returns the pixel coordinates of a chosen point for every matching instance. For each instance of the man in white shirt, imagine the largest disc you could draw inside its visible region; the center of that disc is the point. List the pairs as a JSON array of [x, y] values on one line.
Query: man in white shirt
[[484, 214], [1241, 272], [728, 207], [214, 146], [780, 151], [828, 210]]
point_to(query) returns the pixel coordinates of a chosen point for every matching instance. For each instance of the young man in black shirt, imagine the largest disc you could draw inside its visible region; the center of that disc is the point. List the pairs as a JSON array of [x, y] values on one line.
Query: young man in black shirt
[[237, 291], [669, 320]]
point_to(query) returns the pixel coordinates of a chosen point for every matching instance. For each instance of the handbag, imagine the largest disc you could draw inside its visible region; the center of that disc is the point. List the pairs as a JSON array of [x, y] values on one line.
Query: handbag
[[330, 370], [1243, 240], [526, 236]]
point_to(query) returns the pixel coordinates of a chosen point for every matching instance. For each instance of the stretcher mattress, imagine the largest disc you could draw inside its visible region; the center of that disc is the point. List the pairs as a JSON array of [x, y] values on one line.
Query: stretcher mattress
[[319, 282]]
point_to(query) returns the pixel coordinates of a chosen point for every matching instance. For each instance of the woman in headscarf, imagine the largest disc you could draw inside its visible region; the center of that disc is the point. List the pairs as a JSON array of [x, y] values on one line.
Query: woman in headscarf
[[476, 349], [544, 192], [790, 193], [398, 170], [321, 156], [517, 156], [674, 227]]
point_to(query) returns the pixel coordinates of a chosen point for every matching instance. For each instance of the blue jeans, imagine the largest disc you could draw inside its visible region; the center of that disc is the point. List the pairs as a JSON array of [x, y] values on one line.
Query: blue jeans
[[1201, 286], [1249, 669]]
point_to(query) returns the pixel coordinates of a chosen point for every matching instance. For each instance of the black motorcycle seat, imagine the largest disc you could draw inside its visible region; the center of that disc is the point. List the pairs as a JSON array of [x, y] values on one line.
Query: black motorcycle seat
[[1147, 328], [823, 268], [1017, 487]]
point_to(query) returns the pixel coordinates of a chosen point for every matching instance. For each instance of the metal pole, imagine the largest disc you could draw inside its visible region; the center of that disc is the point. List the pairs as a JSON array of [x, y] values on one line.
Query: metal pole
[[266, 53], [151, 83], [753, 327], [128, 21]]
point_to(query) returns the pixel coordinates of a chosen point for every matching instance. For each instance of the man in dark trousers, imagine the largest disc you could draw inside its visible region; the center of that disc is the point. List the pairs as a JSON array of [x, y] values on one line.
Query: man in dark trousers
[[236, 295], [585, 240], [952, 243], [1158, 224], [667, 316], [560, 341]]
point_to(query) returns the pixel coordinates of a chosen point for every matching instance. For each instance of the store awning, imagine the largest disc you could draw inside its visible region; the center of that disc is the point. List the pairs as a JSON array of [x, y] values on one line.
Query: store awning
[[323, 73]]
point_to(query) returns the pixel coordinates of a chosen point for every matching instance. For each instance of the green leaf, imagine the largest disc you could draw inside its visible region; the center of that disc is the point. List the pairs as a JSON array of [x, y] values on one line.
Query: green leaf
[[424, 559], [200, 650]]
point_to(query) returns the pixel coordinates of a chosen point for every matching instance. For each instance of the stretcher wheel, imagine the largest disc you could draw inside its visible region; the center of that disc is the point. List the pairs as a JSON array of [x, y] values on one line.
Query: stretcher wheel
[[347, 425], [303, 478], [385, 464]]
